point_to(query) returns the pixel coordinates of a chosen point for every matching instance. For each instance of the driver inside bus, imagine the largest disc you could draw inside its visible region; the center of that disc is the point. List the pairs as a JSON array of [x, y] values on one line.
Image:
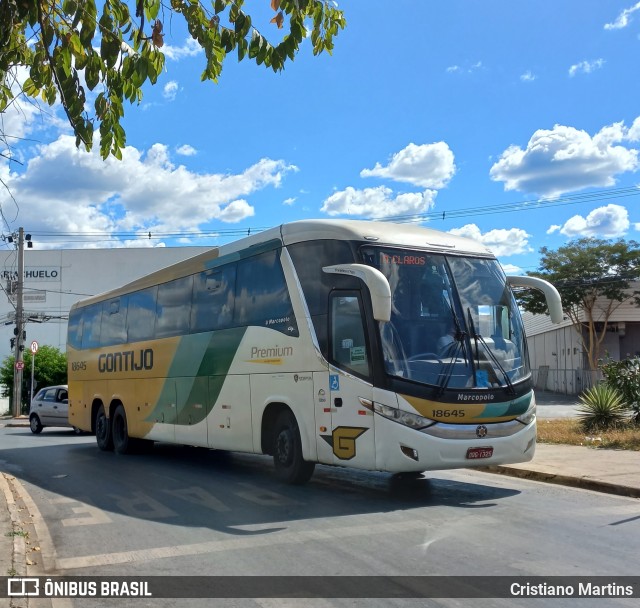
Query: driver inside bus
[[447, 343]]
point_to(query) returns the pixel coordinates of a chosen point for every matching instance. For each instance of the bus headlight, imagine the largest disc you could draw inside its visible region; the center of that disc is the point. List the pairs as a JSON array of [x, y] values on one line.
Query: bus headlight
[[529, 416], [413, 421]]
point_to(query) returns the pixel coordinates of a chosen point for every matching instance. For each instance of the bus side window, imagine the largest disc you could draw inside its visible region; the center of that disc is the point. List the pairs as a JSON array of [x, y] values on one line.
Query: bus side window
[[262, 295], [173, 309], [348, 344], [91, 321], [141, 315], [213, 299], [74, 329], [114, 321]]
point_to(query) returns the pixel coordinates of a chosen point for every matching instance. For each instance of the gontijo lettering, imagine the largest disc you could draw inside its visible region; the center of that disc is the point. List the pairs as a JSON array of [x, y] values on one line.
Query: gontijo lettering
[[126, 361]]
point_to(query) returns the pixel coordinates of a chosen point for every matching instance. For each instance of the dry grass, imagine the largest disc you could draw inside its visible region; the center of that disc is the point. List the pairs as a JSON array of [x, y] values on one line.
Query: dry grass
[[570, 432]]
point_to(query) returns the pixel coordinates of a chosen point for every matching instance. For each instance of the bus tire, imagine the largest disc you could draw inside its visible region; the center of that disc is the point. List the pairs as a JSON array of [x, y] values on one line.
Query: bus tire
[[122, 443], [287, 451], [103, 431]]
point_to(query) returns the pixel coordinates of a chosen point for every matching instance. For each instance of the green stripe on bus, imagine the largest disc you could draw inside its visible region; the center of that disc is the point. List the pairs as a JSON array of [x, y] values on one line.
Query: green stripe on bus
[[215, 353]]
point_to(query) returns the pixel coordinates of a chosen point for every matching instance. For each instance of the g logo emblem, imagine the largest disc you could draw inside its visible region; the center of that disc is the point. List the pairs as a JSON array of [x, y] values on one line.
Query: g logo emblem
[[343, 441]]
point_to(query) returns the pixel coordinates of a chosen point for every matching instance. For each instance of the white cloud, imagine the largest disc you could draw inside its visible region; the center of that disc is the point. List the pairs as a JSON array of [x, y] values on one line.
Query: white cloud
[[565, 159], [289, 201], [511, 269], [500, 241], [453, 69], [24, 116], [377, 202], [170, 90], [191, 48], [528, 76], [236, 211], [609, 221], [186, 150], [553, 228], [586, 67], [634, 130], [426, 165], [622, 19], [143, 192]]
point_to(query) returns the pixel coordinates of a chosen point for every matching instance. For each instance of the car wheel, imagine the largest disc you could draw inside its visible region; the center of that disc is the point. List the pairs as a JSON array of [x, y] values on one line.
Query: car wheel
[[35, 425], [103, 431], [287, 451]]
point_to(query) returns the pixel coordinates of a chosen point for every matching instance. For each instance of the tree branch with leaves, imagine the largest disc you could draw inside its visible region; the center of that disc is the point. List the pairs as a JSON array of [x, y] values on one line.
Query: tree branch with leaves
[[594, 278], [69, 46]]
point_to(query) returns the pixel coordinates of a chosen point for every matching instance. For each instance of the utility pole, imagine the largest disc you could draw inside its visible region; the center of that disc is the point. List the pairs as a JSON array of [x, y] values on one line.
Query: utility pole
[[19, 333]]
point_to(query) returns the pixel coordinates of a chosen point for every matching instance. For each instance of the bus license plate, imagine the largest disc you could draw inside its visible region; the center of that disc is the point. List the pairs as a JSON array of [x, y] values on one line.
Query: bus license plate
[[477, 453]]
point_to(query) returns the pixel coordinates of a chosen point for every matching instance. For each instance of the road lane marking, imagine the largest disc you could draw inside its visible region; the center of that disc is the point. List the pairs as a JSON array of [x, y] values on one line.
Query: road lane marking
[[93, 515], [263, 497], [234, 544], [199, 496], [142, 506]]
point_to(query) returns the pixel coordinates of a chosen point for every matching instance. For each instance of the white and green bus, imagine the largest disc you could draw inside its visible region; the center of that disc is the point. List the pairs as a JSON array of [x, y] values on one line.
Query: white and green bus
[[372, 345]]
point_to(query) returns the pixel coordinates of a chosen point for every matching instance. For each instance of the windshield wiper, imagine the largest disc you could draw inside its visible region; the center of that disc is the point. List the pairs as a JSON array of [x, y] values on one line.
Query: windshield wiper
[[460, 339], [478, 338]]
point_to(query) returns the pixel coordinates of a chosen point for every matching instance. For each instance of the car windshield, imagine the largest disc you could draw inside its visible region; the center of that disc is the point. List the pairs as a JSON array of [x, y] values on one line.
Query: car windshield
[[454, 321]]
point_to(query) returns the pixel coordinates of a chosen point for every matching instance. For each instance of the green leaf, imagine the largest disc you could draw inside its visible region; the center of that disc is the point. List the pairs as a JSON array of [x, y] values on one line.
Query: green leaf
[[30, 88], [254, 45], [69, 7], [243, 47], [75, 44], [92, 72], [109, 50]]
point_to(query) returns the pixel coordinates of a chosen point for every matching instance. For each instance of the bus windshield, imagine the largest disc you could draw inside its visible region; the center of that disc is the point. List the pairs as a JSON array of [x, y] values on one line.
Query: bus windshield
[[454, 322]]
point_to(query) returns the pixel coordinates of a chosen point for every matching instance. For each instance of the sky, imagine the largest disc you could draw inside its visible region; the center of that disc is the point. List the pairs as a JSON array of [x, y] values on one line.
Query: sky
[[514, 123]]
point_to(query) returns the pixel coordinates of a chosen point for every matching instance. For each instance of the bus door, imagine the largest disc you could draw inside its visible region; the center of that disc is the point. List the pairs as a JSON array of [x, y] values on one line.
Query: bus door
[[352, 435]]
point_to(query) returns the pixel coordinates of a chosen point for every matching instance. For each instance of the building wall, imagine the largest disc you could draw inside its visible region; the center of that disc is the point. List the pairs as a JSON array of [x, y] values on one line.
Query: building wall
[[556, 352], [56, 279]]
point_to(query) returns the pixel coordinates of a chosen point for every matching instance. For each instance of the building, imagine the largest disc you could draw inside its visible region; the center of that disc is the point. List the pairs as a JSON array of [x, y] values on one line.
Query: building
[[556, 351], [55, 279]]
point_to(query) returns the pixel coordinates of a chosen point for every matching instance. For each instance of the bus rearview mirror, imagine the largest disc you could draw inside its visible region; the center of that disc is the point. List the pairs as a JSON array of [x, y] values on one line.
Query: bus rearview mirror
[[376, 283]]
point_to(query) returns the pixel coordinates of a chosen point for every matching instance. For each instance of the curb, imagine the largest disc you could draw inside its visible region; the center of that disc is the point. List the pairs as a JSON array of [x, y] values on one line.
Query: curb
[[565, 480], [18, 559]]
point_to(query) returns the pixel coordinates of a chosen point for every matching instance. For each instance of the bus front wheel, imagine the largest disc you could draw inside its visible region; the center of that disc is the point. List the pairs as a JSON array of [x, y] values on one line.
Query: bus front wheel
[[103, 431], [287, 451]]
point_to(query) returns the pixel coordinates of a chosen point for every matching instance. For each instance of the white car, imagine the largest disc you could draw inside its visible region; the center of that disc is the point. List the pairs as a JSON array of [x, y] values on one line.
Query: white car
[[50, 407]]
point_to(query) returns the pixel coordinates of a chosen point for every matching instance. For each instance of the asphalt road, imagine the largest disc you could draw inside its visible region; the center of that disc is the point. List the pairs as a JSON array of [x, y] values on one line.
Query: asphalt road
[[187, 511]]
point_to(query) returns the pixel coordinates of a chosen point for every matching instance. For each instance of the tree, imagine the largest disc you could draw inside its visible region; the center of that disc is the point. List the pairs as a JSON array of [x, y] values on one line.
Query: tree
[[594, 277], [50, 369], [69, 47]]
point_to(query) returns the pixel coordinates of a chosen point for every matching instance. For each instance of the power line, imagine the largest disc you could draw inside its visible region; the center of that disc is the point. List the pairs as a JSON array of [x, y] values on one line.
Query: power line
[[518, 206]]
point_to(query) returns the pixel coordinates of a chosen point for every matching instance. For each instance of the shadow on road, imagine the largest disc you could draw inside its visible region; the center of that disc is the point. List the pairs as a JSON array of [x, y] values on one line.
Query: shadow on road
[[221, 491]]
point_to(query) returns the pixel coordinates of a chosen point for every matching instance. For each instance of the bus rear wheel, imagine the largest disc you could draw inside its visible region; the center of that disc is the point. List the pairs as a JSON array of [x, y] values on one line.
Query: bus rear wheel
[[287, 451], [122, 443], [103, 431]]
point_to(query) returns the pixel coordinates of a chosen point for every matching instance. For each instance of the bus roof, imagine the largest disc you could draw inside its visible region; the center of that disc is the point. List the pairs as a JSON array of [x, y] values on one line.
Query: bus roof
[[380, 233]]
